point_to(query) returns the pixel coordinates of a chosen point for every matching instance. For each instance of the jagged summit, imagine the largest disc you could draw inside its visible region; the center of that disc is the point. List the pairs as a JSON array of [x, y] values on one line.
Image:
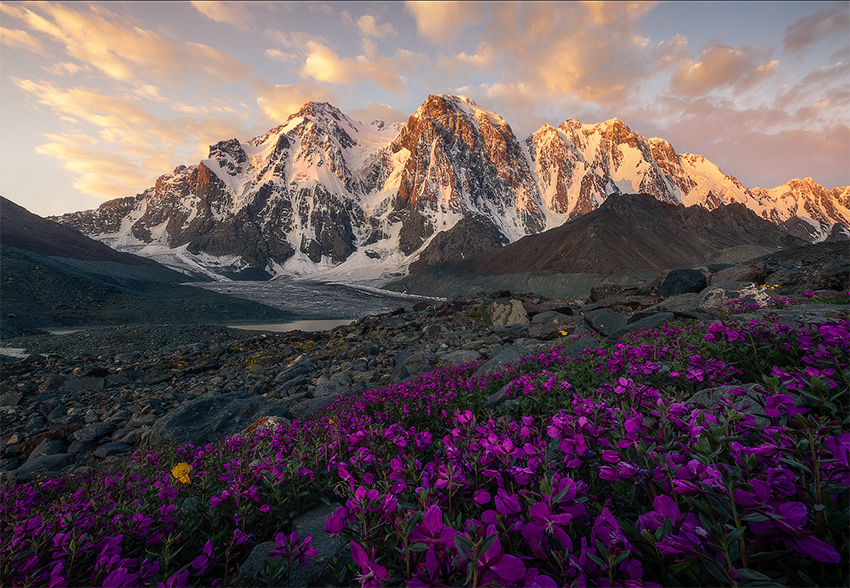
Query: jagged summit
[[325, 194]]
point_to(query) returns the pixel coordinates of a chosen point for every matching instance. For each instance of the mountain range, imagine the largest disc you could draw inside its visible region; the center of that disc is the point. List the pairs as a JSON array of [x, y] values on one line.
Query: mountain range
[[323, 194]]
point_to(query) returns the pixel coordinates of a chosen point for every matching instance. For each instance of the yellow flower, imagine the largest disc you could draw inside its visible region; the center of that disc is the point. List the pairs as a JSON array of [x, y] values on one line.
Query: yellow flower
[[181, 472]]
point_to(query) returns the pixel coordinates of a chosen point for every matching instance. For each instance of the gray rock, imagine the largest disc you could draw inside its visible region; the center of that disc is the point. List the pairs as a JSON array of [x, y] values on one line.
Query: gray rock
[[45, 466], [49, 447], [510, 312], [715, 299], [310, 406], [57, 413], [510, 332], [710, 397], [459, 357], [11, 399], [93, 431], [207, 420], [113, 448], [645, 324], [587, 342], [497, 398], [327, 388], [316, 571], [81, 384], [508, 356], [681, 281], [258, 558], [80, 447], [53, 382], [680, 303], [299, 366], [423, 356], [604, 321], [551, 325]]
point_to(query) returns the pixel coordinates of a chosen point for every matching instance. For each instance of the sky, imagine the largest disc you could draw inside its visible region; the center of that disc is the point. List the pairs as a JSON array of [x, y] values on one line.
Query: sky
[[99, 99]]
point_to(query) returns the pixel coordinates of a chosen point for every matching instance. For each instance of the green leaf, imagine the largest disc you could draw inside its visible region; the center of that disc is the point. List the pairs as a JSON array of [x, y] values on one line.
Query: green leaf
[[417, 547], [488, 542], [754, 517], [682, 566], [795, 463], [620, 558], [749, 574]]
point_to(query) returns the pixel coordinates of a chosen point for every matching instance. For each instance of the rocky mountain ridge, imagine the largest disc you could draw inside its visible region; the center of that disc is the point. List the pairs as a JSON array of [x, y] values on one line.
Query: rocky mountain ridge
[[324, 194]]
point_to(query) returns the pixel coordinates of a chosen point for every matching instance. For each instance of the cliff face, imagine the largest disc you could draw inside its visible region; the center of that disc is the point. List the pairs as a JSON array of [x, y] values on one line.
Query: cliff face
[[322, 192]]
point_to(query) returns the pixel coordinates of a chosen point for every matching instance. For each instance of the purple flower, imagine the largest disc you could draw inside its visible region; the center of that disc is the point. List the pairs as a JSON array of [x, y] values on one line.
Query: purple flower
[[202, 562], [175, 581], [370, 572], [432, 530], [545, 523], [494, 565]]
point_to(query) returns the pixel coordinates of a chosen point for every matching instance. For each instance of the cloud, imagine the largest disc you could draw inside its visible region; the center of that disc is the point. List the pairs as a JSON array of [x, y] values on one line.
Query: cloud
[[369, 27], [97, 173], [18, 39], [279, 55], [816, 27], [237, 14], [588, 50], [128, 53], [825, 88], [720, 66], [278, 101], [377, 111], [324, 65], [65, 68], [441, 22]]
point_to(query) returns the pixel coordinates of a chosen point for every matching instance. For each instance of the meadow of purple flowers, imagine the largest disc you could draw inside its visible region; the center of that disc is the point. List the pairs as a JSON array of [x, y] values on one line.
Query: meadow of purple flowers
[[698, 454]]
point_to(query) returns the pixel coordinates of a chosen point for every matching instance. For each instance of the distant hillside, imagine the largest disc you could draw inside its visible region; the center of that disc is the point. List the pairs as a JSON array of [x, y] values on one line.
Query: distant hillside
[[634, 232], [52, 276], [630, 237]]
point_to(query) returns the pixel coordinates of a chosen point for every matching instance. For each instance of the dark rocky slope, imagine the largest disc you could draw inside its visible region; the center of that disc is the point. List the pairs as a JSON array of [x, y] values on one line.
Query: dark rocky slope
[[53, 276]]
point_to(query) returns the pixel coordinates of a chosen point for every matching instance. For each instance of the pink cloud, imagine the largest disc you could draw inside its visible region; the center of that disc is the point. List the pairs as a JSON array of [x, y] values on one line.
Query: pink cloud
[[721, 66]]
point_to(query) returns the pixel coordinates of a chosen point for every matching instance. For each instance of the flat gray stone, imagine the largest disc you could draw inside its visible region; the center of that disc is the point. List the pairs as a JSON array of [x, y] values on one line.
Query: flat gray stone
[[49, 447], [645, 324], [80, 384], [316, 571], [113, 448], [508, 356], [604, 321], [310, 406], [510, 312], [587, 342], [11, 399], [44, 466], [459, 357], [93, 431], [210, 419]]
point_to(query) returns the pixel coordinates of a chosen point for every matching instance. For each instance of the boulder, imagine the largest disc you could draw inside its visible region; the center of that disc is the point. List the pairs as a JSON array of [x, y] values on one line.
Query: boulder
[[645, 324], [508, 356], [459, 357], [299, 366], [716, 299], [604, 321], [45, 466], [89, 433], [49, 447], [681, 281], [586, 342], [550, 325], [210, 419], [509, 312]]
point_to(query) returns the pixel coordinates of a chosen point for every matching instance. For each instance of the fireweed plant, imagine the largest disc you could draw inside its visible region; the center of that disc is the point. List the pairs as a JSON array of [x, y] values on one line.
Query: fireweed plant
[[697, 454]]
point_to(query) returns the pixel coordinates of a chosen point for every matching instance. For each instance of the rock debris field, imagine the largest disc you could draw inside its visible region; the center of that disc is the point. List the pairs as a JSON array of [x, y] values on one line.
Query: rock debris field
[[91, 398]]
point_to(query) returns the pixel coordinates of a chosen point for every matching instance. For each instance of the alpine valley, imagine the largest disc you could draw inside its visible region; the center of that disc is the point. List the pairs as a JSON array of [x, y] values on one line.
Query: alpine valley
[[331, 197]]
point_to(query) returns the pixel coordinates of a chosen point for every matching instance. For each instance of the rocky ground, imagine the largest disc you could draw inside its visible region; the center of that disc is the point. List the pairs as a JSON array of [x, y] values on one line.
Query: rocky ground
[[90, 398]]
